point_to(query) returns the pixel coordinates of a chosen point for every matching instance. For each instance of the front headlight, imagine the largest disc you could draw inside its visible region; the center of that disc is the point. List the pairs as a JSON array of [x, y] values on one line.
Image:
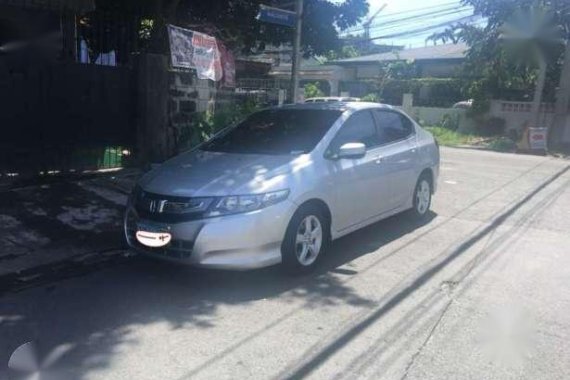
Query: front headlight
[[234, 204]]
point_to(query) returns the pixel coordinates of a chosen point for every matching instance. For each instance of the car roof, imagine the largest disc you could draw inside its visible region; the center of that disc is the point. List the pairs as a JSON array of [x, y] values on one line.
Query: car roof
[[335, 106]]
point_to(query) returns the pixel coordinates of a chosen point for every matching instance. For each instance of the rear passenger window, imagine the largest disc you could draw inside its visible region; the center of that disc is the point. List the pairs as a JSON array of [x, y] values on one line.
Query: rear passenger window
[[359, 127], [393, 126]]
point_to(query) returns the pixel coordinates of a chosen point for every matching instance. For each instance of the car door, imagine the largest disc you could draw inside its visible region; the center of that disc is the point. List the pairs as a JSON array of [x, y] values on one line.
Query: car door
[[358, 188], [398, 151]]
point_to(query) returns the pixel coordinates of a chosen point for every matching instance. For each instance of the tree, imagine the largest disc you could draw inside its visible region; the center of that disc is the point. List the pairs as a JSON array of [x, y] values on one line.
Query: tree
[[234, 22], [312, 90], [530, 32], [496, 70]]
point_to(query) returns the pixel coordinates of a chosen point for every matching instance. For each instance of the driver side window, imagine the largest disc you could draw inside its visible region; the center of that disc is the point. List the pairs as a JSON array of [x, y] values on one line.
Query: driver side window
[[359, 127]]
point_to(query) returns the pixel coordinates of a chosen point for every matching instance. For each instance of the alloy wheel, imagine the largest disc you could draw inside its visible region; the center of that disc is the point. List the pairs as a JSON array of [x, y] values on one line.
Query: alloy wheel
[[423, 197], [309, 240]]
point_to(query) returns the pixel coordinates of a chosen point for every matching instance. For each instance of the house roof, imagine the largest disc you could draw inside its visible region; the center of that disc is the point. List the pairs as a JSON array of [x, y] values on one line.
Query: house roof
[[315, 69], [449, 51]]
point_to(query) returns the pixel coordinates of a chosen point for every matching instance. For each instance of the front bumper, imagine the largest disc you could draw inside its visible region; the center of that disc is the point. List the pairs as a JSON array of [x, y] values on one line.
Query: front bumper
[[240, 242]]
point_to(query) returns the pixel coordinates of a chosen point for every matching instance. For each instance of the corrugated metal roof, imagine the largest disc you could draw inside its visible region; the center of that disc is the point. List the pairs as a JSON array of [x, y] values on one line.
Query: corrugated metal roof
[[449, 51]]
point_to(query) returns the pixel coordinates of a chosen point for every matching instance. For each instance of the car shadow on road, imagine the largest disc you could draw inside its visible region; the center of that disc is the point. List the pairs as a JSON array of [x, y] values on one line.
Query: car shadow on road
[[97, 313]]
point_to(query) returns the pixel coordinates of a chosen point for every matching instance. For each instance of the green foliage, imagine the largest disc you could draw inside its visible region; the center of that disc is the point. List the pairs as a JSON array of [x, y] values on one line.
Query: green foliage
[[234, 21], [494, 126], [401, 70], [450, 122], [348, 51], [372, 97], [502, 144], [447, 137], [497, 71], [205, 124], [312, 90], [446, 90]]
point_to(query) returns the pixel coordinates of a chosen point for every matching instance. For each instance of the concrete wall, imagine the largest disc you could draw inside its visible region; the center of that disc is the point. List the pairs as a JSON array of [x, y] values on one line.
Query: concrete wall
[[518, 115], [434, 116], [154, 137], [188, 94]]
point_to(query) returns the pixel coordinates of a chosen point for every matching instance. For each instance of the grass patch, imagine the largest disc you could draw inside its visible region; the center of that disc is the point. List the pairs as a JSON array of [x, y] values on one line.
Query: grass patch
[[447, 137]]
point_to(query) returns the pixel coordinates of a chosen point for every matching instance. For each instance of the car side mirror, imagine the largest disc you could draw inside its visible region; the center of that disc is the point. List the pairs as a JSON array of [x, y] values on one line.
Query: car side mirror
[[352, 150]]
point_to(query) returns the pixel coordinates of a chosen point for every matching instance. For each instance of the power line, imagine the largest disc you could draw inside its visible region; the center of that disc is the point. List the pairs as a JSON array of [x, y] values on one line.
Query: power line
[[456, 3], [419, 17], [449, 5], [431, 15], [419, 31], [424, 29]]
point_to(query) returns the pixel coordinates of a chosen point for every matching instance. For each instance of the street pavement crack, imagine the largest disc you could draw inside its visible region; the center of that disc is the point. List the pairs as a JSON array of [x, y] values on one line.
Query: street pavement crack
[[426, 341]]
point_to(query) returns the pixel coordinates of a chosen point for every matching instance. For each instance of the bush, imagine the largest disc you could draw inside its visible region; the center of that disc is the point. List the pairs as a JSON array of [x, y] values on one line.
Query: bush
[[450, 122], [443, 91], [312, 90], [205, 124], [494, 126], [502, 144], [372, 97]]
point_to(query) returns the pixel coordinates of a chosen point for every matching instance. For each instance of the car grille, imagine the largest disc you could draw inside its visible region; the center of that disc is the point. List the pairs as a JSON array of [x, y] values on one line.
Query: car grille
[[170, 209]]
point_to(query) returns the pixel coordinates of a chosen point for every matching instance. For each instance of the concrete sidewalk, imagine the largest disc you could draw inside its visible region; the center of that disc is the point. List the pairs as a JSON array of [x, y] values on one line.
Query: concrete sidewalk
[[62, 226]]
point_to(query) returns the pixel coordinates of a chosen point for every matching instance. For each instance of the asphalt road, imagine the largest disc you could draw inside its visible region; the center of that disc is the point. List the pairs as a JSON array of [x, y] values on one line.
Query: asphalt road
[[480, 291]]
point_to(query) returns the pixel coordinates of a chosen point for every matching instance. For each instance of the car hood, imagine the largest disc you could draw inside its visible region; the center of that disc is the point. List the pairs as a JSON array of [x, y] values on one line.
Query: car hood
[[201, 173]]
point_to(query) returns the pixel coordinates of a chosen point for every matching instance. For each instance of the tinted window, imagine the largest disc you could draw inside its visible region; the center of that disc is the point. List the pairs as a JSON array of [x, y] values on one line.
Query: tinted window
[[393, 126], [280, 131], [358, 128]]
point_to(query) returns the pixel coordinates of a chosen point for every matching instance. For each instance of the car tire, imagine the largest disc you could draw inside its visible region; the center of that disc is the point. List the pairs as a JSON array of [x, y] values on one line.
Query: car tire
[[422, 197], [306, 239]]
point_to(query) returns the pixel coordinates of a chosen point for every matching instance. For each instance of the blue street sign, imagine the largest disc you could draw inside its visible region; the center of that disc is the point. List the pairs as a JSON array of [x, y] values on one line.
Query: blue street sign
[[276, 16]]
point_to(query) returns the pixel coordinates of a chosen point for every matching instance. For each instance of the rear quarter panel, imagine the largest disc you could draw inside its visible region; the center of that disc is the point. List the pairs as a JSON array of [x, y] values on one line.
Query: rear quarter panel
[[428, 153]]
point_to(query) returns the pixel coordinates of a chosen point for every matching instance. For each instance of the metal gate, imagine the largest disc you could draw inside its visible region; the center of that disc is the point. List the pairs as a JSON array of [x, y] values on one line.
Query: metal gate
[[65, 117]]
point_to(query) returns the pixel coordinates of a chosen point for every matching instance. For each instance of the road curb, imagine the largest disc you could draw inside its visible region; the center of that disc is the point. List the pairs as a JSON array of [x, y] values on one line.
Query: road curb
[[63, 269]]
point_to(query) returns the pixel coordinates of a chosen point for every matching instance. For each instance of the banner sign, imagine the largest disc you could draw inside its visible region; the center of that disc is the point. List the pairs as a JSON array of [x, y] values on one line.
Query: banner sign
[[193, 50], [228, 65], [276, 16]]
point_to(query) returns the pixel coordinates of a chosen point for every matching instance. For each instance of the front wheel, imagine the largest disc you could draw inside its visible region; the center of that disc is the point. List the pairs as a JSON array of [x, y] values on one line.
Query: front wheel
[[306, 238], [422, 197]]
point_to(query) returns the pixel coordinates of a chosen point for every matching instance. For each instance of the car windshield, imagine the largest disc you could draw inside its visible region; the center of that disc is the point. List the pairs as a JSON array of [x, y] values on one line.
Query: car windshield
[[279, 131]]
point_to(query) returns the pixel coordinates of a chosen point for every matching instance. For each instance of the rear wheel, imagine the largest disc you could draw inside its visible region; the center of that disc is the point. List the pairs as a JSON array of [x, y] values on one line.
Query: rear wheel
[[422, 197], [306, 238]]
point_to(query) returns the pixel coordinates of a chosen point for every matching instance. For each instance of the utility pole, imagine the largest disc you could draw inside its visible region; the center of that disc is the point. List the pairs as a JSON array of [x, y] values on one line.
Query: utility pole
[[296, 51], [368, 22]]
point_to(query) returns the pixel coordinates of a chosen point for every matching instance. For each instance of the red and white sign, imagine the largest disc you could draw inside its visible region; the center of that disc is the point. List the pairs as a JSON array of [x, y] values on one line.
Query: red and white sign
[[193, 50], [537, 138]]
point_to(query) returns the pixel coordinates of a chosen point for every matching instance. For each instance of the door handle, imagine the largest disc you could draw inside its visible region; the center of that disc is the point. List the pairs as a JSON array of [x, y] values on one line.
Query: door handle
[[379, 159]]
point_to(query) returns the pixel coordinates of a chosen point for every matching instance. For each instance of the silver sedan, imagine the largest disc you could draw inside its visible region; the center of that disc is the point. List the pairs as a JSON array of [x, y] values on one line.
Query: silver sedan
[[282, 184]]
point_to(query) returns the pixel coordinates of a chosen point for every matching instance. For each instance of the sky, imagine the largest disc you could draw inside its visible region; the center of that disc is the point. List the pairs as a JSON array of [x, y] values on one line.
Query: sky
[[397, 9]]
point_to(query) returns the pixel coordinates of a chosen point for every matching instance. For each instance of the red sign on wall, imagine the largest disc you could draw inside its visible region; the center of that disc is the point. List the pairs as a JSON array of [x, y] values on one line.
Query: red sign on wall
[[193, 50]]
